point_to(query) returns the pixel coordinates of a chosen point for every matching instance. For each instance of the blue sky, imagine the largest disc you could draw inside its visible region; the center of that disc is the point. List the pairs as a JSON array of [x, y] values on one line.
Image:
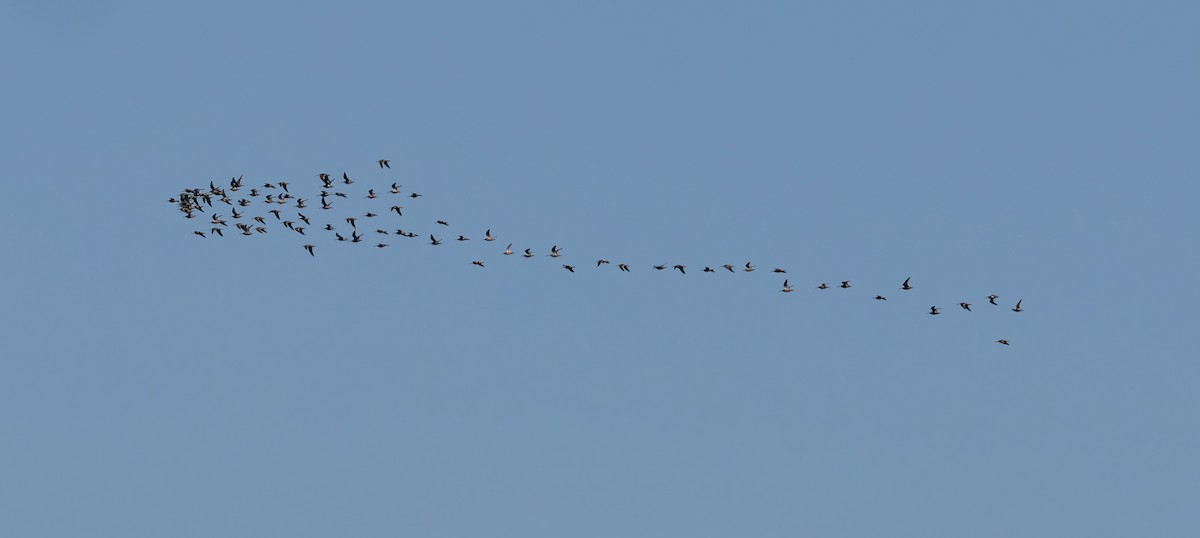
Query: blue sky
[[156, 383]]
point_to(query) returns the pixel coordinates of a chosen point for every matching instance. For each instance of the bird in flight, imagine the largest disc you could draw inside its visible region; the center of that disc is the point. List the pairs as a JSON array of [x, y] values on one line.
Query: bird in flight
[[1018, 307], [1002, 341], [729, 267], [823, 286], [965, 306], [905, 285], [528, 253], [933, 310], [749, 268], [507, 250], [681, 268], [786, 287], [708, 270], [479, 263], [880, 298], [442, 222], [992, 298], [554, 252], [845, 284], [570, 268], [624, 267], [778, 270], [384, 163], [660, 267], [463, 238], [487, 236], [601, 262], [433, 240]]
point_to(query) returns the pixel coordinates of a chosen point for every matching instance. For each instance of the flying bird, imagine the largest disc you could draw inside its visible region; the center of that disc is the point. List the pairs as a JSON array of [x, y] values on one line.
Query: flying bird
[[384, 163], [786, 287], [554, 252], [992, 298], [487, 236], [601, 262], [1002, 341], [570, 268], [729, 267], [433, 240], [905, 285], [823, 286], [1018, 307], [748, 268], [965, 306], [507, 250], [681, 269], [624, 267], [479, 263], [845, 284], [309, 248], [933, 310], [880, 298]]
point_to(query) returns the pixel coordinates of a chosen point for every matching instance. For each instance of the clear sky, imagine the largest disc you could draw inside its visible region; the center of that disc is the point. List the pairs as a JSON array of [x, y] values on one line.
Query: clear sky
[[153, 383]]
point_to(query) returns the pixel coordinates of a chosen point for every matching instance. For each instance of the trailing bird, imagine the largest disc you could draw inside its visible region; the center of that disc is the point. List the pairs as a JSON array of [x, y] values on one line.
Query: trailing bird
[[880, 298], [414, 195], [823, 286], [570, 268], [624, 267], [601, 262], [965, 306], [1002, 341], [442, 222], [395, 188], [845, 284], [786, 287], [309, 248], [463, 238], [284, 184], [507, 250], [433, 240], [933, 310], [528, 253], [380, 245], [992, 298], [1018, 307], [346, 179], [274, 212], [371, 194], [748, 268], [728, 267], [554, 252], [397, 209], [351, 221], [660, 267], [905, 285], [487, 236], [479, 263], [384, 163], [199, 233], [778, 270], [708, 270], [681, 269]]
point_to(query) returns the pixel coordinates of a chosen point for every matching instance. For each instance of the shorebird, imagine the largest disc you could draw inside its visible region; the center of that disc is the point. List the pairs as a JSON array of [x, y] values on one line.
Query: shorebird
[[479, 263], [1018, 307], [414, 195], [274, 212], [880, 298], [992, 298], [284, 184], [660, 267], [845, 284], [304, 218], [905, 285], [601, 262], [778, 270], [326, 181], [507, 250], [965, 306], [217, 231], [199, 233], [433, 240], [384, 232], [339, 236], [463, 238], [380, 245], [528, 254], [329, 227], [299, 230], [624, 267], [260, 220], [729, 267], [681, 268], [371, 194], [570, 268], [1002, 341], [309, 248], [823, 286], [346, 179], [351, 221], [786, 287], [933, 310], [384, 163], [487, 236], [287, 224], [708, 270], [748, 268], [397, 209], [554, 252], [354, 237], [442, 222], [370, 214], [395, 188]]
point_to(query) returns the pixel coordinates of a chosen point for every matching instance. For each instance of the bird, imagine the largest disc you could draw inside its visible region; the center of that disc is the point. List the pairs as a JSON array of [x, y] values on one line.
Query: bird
[[380, 245], [601, 262], [1018, 307], [660, 267], [433, 240], [351, 221], [992, 298], [748, 268], [383, 232], [933, 310], [274, 212], [845, 284], [729, 267], [395, 188], [624, 267], [304, 218], [284, 184], [199, 233], [442, 222], [554, 252], [778, 270], [397, 209], [681, 269], [479, 263], [965, 306], [487, 236], [708, 270], [507, 250], [1002, 341], [346, 179], [880, 298], [309, 248], [570, 268], [371, 194], [905, 285], [339, 236], [463, 238], [823, 286], [354, 237], [384, 163], [528, 253], [414, 195], [786, 287]]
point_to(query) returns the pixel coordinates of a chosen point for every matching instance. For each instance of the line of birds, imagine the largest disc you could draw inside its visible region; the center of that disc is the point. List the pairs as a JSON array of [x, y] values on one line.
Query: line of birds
[[191, 201]]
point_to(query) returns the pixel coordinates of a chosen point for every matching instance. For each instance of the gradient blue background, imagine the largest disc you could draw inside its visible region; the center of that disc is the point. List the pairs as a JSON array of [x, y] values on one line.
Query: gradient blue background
[[157, 384]]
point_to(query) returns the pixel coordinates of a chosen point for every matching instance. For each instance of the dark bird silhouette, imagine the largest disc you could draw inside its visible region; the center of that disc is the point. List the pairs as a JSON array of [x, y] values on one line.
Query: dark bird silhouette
[[528, 253], [1018, 307], [397, 209], [660, 267], [992, 298], [778, 270], [845, 284], [601, 262], [681, 269], [380, 245], [443, 223], [384, 163], [965, 306], [309, 248], [786, 287], [395, 188], [728, 267], [748, 268], [933, 310], [554, 252], [708, 270], [199, 233], [487, 236], [371, 194], [905, 285], [463, 238], [624, 267], [823, 286], [880, 298], [433, 240], [570, 268], [414, 195], [274, 212], [1002, 341], [351, 221], [346, 179], [479, 263]]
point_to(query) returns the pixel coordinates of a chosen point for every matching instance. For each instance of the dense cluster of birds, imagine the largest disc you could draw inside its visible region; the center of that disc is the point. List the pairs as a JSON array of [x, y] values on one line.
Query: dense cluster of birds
[[276, 197]]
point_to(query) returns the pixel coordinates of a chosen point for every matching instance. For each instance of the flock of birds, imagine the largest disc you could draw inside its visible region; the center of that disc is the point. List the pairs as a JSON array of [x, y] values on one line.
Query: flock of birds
[[277, 196]]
